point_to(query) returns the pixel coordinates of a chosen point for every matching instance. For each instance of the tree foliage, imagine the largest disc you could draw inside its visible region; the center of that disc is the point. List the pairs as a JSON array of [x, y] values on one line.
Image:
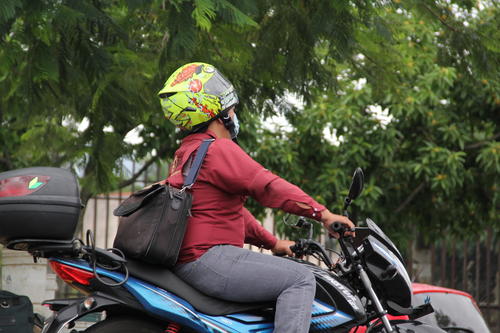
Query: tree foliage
[[102, 62], [428, 141], [431, 66]]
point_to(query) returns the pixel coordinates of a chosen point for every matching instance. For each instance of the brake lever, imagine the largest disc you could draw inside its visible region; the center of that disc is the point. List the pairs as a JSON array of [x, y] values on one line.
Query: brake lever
[[298, 248]]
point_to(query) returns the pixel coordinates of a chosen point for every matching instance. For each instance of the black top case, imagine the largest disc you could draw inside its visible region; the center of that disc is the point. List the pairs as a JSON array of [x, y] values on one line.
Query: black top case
[[38, 203]]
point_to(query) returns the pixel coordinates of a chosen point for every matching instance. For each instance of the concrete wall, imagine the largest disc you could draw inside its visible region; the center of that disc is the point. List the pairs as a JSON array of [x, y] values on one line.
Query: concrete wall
[[22, 276]]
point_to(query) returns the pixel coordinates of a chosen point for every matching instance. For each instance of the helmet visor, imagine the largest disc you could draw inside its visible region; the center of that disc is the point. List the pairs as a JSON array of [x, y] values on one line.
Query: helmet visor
[[218, 85]]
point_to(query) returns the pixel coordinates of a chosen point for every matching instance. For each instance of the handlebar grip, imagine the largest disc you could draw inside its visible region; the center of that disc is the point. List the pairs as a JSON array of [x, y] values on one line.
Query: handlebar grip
[[338, 227], [294, 248]]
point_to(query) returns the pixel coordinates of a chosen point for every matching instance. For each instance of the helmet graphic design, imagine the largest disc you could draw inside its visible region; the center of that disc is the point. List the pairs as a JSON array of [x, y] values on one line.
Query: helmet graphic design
[[194, 94]]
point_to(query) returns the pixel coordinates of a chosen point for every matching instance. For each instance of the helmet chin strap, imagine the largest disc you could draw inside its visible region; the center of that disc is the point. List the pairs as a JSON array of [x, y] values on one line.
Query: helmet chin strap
[[230, 125]]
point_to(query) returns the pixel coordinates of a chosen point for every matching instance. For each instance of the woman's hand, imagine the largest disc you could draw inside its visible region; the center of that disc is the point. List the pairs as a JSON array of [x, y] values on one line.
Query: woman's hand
[[328, 218], [282, 247]]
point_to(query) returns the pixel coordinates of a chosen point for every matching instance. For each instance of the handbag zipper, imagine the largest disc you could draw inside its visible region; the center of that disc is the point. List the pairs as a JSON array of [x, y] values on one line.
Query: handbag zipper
[[156, 228], [155, 235], [179, 225]]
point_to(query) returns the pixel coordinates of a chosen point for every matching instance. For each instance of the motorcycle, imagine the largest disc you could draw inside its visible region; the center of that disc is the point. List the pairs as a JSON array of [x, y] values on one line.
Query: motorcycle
[[367, 283]]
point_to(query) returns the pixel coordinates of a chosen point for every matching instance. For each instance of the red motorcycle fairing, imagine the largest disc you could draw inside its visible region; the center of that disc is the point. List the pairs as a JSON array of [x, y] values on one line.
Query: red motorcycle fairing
[[406, 326]]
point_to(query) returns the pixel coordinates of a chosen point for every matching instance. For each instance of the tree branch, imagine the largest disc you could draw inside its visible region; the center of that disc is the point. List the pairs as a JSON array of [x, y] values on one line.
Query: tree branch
[[7, 162], [6, 159], [481, 143], [215, 47], [439, 18], [412, 196], [165, 39], [146, 165]]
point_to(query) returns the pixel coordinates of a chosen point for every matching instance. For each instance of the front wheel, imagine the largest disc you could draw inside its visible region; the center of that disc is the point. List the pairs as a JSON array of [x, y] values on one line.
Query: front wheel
[[126, 325]]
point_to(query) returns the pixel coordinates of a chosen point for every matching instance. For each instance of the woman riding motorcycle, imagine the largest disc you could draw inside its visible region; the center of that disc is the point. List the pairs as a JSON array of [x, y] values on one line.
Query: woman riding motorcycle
[[199, 99]]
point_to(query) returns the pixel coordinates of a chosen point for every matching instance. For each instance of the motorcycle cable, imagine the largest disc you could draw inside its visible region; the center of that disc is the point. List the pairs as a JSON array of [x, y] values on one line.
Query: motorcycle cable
[[336, 252], [92, 257]]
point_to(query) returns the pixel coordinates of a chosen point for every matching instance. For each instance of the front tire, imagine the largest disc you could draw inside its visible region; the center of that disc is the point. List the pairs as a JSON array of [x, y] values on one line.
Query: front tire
[[126, 325]]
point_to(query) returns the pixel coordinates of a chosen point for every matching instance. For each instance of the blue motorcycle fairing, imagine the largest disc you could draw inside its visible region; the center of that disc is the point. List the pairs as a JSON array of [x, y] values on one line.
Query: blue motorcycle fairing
[[155, 300], [165, 305], [324, 317]]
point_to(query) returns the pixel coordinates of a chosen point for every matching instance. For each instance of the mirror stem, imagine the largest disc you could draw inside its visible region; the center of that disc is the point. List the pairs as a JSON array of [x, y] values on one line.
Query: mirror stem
[[347, 203]]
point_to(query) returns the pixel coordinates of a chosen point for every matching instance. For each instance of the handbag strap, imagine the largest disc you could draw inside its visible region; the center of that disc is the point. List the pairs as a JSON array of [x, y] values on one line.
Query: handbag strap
[[195, 167], [125, 208]]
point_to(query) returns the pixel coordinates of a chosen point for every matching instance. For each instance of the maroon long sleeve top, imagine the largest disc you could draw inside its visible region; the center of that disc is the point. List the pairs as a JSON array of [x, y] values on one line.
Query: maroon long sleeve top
[[227, 176]]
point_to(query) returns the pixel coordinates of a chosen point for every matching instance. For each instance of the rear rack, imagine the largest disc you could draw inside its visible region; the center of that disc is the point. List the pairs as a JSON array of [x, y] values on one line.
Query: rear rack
[[45, 248]]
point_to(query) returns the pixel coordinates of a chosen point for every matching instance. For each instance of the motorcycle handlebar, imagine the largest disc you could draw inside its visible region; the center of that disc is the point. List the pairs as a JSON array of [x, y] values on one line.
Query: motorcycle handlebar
[[338, 227], [309, 247]]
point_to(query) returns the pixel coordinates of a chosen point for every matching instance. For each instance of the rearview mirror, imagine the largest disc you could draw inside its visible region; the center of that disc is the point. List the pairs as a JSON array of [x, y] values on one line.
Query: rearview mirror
[[357, 184]]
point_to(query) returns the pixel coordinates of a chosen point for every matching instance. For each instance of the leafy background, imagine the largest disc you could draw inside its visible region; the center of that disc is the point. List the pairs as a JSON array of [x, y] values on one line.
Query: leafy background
[[407, 90]]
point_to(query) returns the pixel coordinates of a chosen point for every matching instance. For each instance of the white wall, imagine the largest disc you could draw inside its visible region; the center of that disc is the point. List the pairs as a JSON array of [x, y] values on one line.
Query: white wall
[[22, 276]]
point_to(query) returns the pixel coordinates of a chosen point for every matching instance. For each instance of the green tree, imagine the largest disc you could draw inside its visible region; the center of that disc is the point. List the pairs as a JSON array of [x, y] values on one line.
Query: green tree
[[427, 137], [433, 65], [102, 61]]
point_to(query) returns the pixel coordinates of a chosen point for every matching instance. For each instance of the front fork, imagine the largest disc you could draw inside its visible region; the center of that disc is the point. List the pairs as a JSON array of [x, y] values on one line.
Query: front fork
[[78, 309], [373, 296], [350, 252]]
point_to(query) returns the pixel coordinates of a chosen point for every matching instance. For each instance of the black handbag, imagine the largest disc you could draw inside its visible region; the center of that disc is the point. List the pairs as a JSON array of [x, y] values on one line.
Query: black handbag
[[16, 313], [153, 220]]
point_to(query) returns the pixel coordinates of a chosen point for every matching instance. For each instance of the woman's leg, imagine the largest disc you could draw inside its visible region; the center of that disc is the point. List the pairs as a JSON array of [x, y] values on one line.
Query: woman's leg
[[240, 275]]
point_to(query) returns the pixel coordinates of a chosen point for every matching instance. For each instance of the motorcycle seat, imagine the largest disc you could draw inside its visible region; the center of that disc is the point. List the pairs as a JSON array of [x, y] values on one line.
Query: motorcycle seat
[[167, 280]]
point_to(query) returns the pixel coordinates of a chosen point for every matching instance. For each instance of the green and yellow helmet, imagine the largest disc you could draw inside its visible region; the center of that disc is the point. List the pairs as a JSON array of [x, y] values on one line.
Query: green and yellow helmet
[[195, 94]]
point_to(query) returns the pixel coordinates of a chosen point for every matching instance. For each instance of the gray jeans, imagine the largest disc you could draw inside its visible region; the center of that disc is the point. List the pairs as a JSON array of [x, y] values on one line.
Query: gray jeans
[[235, 274]]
